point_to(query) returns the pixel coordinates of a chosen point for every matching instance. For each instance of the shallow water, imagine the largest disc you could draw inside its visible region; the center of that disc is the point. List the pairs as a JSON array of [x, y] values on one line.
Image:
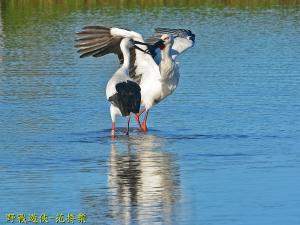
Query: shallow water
[[223, 149]]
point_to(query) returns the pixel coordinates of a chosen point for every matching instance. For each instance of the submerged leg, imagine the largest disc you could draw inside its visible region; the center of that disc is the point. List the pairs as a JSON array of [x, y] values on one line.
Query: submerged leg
[[144, 125], [128, 122], [112, 129], [137, 117]]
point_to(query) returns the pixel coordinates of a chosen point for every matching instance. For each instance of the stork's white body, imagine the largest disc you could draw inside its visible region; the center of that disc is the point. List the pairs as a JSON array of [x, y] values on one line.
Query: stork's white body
[[158, 81], [121, 79], [159, 73], [121, 75], [157, 87]]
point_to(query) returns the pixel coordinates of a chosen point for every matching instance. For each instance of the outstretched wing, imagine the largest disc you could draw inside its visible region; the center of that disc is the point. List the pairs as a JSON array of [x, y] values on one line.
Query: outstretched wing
[[183, 40], [98, 41]]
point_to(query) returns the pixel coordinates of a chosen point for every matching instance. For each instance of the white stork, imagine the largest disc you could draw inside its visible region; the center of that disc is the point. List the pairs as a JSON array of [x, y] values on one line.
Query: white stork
[[122, 91], [156, 73]]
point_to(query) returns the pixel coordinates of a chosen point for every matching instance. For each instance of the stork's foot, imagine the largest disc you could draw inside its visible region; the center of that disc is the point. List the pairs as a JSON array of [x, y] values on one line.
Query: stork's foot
[[113, 133], [144, 127], [113, 129]]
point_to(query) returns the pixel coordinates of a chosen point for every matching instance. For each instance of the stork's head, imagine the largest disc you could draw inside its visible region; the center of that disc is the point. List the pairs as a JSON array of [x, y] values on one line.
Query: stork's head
[[167, 39]]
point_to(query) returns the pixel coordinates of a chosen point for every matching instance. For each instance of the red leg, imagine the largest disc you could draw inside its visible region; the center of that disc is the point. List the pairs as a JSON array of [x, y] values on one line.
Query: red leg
[[113, 129], [144, 125], [128, 122], [141, 112], [137, 117]]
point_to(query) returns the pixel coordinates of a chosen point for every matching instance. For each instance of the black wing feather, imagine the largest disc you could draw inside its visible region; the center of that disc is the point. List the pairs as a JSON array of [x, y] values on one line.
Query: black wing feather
[[97, 41], [127, 98]]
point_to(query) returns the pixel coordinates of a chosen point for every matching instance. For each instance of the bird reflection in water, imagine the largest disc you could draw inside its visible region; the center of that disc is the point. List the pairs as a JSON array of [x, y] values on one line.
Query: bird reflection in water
[[143, 181]]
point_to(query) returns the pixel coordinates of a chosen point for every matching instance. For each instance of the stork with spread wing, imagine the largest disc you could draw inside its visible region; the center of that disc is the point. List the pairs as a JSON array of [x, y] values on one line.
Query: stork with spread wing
[[151, 65]]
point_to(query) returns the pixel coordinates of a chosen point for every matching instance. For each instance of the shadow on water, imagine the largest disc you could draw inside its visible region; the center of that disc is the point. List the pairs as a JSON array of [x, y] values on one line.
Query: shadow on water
[[143, 183]]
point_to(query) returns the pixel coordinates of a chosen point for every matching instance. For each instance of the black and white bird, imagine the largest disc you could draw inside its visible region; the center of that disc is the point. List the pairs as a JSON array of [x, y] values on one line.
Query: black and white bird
[[160, 88], [122, 91], [156, 73]]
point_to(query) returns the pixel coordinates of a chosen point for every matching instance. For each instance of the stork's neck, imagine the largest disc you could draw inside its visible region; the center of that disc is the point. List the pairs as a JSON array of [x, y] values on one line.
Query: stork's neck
[[126, 58], [166, 53]]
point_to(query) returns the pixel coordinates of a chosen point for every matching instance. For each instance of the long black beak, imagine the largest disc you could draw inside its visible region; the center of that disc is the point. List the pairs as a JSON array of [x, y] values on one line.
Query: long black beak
[[141, 43], [158, 44], [145, 51], [150, 47]]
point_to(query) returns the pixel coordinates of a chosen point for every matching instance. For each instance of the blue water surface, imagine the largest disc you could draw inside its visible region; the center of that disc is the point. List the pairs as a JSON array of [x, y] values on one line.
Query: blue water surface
[[223, 149]]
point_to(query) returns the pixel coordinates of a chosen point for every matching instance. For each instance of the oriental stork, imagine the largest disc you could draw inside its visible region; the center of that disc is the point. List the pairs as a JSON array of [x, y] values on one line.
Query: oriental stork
[[153, 68]]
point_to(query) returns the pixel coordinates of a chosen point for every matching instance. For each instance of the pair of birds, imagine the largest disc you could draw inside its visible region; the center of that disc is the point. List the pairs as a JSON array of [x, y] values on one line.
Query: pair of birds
[[148, 71]]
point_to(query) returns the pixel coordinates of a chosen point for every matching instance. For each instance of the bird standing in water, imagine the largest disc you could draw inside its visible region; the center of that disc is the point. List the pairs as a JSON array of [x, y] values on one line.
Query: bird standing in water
[[152, 65], [122, 91], [160, 86]]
